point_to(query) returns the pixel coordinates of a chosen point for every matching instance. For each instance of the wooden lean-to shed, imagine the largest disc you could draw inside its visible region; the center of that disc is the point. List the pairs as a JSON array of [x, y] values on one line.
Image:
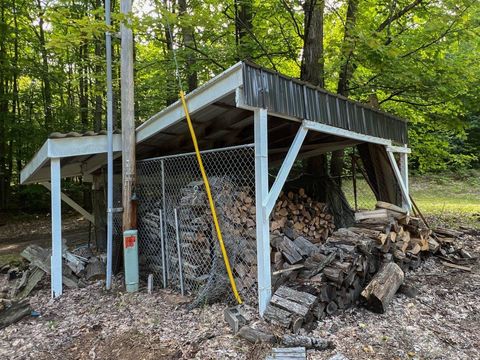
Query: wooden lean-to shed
[[279, 118]]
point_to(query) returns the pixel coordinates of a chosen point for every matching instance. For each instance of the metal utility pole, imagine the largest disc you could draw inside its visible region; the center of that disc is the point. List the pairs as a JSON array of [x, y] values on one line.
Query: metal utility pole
[[108, 52], [130, 242]]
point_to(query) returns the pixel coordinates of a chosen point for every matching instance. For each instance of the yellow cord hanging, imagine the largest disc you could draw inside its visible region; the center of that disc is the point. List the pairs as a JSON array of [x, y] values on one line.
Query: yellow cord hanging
[[210, 199]]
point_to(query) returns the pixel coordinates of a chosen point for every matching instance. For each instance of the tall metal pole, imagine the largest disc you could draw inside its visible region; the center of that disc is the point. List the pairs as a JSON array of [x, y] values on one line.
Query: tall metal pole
[[130, 243], [108, 44]]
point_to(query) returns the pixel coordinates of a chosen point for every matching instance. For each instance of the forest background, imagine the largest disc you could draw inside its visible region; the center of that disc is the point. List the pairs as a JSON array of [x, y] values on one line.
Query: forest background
[[417, 59]]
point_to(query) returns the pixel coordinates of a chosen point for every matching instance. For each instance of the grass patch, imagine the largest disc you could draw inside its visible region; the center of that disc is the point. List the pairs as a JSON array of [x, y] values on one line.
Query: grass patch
[[448, 199]]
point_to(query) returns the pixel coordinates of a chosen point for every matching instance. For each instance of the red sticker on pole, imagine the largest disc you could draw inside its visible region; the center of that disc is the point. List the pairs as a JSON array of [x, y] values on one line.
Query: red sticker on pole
[[130, 241]]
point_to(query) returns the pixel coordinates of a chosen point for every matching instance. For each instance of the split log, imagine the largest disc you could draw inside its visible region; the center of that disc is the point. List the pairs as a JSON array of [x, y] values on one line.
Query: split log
[[307, 342], [447, 232], [278, 316], [306, 248], [255, 335], [95, 270], [290, 308], [14, 313], [287, 247], [381, 289]]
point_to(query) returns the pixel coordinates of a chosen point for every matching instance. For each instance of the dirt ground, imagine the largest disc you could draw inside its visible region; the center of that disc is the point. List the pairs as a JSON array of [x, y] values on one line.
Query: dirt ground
[[15, 235], [441, 322]]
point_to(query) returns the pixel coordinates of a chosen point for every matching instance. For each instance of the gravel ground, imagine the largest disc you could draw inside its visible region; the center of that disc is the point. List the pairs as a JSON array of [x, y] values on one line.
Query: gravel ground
[[441, 322]]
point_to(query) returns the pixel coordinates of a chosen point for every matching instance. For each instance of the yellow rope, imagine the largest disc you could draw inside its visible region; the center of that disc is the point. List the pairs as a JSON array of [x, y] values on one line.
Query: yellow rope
[[210, 199]]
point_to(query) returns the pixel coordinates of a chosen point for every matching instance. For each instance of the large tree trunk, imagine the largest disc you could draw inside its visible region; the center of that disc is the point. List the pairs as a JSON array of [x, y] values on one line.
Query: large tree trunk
[[347, 65], [99, 74], [189, 45], [243, 27], [346, 71], [83, 87], [47, 89], [3, 108], [312, 69], [172, 94]]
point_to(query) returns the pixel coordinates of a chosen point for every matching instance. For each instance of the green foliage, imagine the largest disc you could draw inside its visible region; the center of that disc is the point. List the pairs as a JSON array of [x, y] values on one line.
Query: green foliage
[[421, 64]]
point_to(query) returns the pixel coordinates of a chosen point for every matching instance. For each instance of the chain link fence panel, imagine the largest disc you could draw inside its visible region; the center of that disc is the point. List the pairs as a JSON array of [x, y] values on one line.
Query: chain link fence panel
[[177, 239]]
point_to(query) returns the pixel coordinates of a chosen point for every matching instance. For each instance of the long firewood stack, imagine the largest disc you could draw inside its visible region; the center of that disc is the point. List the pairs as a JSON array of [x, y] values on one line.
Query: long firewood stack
[[337, 271]]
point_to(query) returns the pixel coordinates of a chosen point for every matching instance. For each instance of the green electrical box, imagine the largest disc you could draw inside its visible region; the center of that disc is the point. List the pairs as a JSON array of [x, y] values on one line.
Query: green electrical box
[[130, 257]]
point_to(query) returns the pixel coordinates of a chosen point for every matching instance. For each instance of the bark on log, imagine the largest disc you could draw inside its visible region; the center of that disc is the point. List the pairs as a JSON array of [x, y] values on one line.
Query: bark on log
[[14, 313], [95, 270], [380, 291], [306, 341], [255, 335]]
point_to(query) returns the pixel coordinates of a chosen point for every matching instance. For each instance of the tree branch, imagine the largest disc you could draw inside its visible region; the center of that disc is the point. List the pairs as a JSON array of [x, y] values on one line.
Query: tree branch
[[397, 15], [434, 41], [292, 15], [417, 104], [250, 32]]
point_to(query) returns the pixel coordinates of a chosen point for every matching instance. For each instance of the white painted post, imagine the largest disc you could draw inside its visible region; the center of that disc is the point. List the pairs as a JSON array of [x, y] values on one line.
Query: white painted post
[[404, 172], [282, 175], [56, 203], [400, 180], [262, 218]]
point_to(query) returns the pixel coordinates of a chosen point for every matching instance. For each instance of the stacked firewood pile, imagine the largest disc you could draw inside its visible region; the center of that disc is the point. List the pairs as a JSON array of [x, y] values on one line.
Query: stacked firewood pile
[[364, 262], [297, 211], [294, 211]]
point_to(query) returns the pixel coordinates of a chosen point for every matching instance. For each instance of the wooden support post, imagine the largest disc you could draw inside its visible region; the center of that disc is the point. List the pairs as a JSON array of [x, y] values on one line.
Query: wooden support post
[[74, 205], [128, 120], [262, 219], [56, 203]]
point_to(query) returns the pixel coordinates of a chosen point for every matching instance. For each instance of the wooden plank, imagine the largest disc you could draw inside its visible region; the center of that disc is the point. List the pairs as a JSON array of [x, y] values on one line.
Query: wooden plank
[[291, 268], [287, 353], [391, 207], [33, 279], [40, 257], [373, 214], [455, 266]]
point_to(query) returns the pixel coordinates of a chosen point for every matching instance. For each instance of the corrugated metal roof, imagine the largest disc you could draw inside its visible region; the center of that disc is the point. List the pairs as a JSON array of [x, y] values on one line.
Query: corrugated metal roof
[[72, 134], [283, 95]]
